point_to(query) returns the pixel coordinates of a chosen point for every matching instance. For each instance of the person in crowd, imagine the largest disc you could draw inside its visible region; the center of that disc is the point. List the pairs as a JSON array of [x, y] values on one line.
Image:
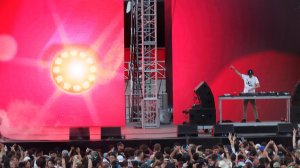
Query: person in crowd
[[14, 162], [50, 163], [156, 148], [296, 144], [138, 157], [236, 153], [41, 162], [120, 148]]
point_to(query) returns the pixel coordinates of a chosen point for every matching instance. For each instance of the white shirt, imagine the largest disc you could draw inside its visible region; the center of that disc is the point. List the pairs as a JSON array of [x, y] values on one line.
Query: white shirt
[[249, 83]]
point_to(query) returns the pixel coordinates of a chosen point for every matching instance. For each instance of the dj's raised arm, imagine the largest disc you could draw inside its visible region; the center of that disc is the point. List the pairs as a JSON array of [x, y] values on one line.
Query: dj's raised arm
[[235, 70]]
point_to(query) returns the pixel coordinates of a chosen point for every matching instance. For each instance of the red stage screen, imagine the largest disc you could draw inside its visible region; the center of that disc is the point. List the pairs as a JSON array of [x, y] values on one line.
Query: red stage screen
[[209, 36], [32, 34]]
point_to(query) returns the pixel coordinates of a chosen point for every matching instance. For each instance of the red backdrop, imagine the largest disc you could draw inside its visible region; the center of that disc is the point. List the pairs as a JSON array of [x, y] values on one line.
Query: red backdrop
[[209, 36], [30, 33]]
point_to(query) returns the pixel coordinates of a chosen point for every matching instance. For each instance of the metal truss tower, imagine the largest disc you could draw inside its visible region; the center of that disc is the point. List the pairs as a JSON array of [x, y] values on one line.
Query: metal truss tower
[[143, 76]]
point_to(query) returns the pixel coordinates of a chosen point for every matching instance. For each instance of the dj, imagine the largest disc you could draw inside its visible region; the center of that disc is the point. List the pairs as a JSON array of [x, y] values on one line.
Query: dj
[[250, 84]]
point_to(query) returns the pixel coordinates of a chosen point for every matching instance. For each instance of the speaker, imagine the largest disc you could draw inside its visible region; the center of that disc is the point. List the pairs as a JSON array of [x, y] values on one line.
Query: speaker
[[295, 99], [286, 128], [79, 134], [202, 116], [204, 95], [223, 129], [111, 133], [187, 130]]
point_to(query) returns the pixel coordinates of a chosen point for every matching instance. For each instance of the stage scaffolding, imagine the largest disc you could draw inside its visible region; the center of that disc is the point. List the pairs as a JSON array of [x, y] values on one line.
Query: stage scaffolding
[[143, 99]]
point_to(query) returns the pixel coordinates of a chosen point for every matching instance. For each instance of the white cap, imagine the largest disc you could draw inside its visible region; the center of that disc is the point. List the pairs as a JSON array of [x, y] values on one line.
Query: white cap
[[249, 161], [65, 152], [105, 160], [241, 164], [276, 164], [223, 164], [120, 158], [26, 158]]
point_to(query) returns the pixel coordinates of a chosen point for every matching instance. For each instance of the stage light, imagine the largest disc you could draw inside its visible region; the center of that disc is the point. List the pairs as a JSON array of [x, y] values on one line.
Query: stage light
[[74, 70], [56, 70], [59, 79], [58, 61], [91, 78]]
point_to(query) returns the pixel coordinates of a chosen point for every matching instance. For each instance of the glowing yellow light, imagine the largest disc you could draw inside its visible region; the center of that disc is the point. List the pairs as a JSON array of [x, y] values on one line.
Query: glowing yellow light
[[89, 60], [64, 55], [67, 86], [93, 69], [56, 70], [92, 78], [75, 70], [74, 53], [86, 85], [76, 88], [58, 61], [82, 54], [59, 79]]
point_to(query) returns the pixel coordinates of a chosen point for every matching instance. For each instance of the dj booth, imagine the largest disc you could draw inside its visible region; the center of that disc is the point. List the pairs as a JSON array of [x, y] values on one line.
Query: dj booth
[[258, 95]]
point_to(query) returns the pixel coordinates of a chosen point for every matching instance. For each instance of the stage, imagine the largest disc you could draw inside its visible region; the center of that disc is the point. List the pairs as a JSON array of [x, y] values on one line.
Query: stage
[[133, 132], [166, 135]]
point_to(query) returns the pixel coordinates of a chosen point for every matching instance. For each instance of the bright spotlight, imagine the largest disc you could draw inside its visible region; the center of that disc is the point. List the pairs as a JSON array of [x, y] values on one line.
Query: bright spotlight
[[77, 69], [74, 71]]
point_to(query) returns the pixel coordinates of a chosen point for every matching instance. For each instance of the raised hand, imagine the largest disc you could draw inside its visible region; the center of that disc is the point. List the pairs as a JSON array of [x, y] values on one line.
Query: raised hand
[[234, 137], [230, 136], [294, 131]]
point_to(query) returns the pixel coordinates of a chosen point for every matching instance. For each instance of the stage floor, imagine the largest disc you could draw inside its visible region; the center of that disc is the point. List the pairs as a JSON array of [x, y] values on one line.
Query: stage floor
[[133, 136], [131, 132]]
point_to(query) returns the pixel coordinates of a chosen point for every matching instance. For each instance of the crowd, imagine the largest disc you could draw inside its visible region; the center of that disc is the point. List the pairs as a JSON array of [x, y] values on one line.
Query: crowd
[[238, 153]]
